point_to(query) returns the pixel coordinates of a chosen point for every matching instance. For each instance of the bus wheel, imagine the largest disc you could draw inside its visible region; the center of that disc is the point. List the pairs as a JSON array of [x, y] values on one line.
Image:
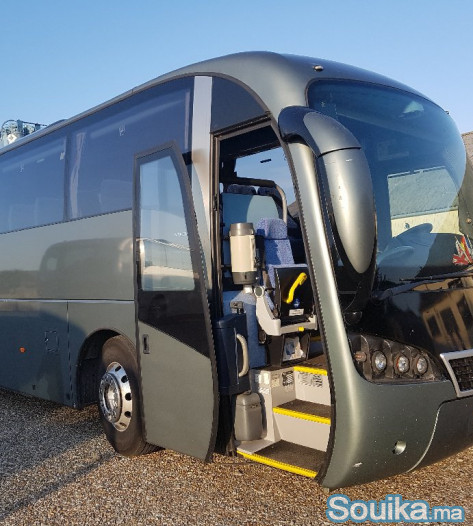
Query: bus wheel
[[119, 398]]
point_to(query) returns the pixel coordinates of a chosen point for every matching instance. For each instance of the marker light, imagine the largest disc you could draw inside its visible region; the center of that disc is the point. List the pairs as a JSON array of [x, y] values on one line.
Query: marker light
[[379, 361], [401, 364], [421, 365]]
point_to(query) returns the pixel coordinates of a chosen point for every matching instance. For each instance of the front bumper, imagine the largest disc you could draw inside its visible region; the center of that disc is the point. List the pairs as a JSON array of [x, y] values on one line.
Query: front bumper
[[453, 431]]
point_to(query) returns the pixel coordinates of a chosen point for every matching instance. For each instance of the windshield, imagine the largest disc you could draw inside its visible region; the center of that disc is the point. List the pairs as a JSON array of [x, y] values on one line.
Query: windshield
[[422, 184]]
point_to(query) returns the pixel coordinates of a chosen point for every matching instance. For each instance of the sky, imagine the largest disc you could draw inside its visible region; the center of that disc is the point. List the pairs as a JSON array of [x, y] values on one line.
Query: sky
[[59, 57]]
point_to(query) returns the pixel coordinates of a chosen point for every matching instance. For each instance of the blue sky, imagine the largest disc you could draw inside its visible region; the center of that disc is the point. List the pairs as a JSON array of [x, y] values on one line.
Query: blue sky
[[60, 57]]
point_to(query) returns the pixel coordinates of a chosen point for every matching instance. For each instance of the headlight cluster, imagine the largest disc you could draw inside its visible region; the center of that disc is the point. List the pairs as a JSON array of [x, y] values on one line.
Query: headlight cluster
[[378, 359]]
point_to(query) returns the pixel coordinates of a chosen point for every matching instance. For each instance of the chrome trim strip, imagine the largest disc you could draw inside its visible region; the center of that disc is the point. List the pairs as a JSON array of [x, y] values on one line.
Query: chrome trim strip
[[446, 357]]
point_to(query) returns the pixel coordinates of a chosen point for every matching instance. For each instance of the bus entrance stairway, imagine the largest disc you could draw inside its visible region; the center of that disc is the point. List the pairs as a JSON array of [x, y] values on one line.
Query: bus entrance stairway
[[297, 414]]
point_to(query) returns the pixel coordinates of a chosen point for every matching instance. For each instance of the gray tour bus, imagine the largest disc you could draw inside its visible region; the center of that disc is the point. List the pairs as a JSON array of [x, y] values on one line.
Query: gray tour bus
[[260, 254]]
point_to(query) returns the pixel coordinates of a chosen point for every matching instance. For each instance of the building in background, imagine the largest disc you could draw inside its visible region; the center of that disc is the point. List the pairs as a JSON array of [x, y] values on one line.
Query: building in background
[[468, 140]]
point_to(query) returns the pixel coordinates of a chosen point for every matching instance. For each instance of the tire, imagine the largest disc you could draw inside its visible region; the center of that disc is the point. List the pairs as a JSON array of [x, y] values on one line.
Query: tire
[[119, 398]]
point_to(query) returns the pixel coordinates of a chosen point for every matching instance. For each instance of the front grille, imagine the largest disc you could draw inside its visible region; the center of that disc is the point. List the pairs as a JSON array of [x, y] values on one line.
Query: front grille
[[463, 371], [460, 366]]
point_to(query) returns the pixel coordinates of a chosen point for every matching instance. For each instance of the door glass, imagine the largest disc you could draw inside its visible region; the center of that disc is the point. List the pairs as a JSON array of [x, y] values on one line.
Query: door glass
[[170, 295], [164, 244]]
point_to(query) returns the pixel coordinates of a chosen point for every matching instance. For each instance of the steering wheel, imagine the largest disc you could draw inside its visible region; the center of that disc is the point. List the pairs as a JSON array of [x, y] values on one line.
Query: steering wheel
[[418, 230], [400, 247]]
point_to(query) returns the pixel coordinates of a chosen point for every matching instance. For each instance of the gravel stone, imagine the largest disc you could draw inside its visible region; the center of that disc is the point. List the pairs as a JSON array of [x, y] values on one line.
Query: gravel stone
[[57, 468]]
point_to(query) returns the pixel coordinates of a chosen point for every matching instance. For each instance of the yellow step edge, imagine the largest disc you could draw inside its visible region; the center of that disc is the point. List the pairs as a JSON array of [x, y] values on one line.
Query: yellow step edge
[[303, 416], [312, 370], [277, 464]]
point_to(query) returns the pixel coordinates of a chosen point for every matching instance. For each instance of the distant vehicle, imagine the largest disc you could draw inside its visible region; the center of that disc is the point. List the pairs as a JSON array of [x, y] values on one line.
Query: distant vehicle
[[259, 254]]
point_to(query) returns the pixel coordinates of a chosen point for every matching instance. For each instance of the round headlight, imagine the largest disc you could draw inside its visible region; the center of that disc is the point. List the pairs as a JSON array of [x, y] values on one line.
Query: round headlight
[[421, 365], [401, 364], [379, 361]]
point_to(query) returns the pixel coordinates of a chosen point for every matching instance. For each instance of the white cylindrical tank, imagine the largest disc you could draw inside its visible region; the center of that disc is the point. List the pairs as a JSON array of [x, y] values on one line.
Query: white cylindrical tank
[[243, 253]]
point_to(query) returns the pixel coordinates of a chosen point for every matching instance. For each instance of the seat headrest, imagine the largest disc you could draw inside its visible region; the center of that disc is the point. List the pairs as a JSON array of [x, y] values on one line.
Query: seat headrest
[[271, 228], [265, 190], [241, 189]]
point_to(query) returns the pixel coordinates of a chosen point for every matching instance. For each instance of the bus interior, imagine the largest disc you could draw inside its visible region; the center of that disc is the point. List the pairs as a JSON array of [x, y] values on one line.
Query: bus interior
[[273, 374]]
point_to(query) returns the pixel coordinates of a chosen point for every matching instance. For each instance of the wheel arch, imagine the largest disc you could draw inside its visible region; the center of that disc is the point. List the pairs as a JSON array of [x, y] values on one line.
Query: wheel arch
[[88, 365]]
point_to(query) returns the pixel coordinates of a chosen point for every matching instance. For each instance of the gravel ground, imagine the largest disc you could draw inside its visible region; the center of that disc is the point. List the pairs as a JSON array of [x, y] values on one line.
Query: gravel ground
[[56, 467]]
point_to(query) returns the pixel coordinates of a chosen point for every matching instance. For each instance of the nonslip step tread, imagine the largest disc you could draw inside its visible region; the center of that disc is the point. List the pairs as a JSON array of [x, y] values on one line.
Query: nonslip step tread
[[308, 408], [310, 370], [289, 457], [317, 365]]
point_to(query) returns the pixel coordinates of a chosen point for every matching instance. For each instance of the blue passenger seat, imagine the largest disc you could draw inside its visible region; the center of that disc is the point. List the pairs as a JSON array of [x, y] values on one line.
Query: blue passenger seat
[[284, 304], [277, 247], [281, 275]]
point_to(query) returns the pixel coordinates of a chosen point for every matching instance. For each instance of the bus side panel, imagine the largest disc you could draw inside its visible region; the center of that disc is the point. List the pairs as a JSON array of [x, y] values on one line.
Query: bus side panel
[[84, 265], [34, 349], [79, 260]]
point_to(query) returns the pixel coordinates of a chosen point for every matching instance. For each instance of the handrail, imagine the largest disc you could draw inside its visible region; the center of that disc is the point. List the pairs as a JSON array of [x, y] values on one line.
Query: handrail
[[246, 363]]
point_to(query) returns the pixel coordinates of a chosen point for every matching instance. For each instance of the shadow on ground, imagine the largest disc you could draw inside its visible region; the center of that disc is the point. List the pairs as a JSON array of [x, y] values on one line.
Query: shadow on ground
[[43, 447]]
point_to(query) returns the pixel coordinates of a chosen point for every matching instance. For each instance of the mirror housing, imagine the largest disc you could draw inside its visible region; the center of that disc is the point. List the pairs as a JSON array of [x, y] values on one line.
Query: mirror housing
[[340, 156]]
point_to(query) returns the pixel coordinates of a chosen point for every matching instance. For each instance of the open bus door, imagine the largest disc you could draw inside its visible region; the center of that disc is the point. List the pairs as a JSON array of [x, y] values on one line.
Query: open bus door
[[174, 339]]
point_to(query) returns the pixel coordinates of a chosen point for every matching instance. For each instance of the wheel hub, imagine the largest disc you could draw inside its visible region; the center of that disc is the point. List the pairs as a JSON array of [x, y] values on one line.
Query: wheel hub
[[115, 397]]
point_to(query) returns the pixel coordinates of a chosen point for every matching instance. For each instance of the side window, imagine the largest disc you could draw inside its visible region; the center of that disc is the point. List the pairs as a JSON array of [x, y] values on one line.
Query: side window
[[245, 160], [101, 165], [270, 164], [164, 244], [232, 105], [32, 182]]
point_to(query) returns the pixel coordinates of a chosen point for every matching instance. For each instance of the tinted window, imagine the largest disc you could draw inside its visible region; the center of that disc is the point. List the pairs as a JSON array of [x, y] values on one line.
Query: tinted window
[[102, 155], [170, 278], [32, 182], [232, 104], [165, 252], [422, 183]]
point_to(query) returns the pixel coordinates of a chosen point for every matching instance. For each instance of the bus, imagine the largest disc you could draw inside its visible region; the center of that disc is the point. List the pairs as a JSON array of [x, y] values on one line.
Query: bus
[[261, 255]]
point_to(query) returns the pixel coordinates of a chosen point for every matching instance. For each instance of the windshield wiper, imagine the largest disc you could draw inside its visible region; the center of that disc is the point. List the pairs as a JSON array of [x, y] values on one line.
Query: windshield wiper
[[438, 277], [412, 283]]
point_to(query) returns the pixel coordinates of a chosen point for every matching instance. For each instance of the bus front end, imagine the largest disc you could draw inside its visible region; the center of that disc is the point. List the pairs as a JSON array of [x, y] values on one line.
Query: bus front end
[[386, 196]]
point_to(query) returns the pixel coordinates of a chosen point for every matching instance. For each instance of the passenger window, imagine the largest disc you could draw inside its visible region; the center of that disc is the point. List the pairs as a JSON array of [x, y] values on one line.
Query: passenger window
[[33, 186], [101, 172]]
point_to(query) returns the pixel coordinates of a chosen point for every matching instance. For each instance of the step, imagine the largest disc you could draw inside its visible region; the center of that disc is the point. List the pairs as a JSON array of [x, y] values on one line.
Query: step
[[304, 423], [306, 410], [311, 381], [319, 362], [288, 457]]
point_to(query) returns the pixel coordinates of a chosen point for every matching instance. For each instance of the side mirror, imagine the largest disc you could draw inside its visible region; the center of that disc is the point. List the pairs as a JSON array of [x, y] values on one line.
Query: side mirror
[[339, 155]]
